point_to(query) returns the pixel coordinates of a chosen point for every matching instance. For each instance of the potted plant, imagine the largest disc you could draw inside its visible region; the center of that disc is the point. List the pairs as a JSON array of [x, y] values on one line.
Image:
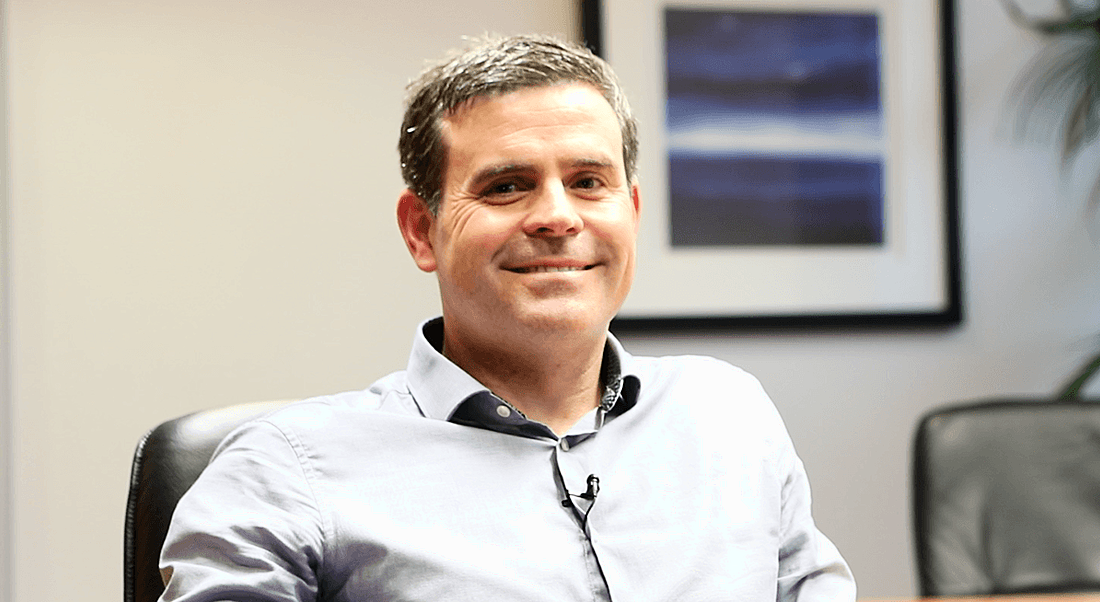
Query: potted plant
[[1064, 81]]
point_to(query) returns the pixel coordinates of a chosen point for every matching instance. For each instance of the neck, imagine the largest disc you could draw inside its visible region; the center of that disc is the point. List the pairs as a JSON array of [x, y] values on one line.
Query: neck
[[555, 381]]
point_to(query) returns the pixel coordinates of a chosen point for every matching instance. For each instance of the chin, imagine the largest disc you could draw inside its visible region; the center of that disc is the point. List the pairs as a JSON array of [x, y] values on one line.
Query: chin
[[559, 320]]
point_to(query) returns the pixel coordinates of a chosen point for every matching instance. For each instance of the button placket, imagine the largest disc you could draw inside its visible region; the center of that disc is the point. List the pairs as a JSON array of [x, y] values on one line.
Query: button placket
[[573, 467], [572, 476]]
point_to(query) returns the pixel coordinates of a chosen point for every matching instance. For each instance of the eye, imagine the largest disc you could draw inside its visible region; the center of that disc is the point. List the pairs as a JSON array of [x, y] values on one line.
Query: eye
[[588, 183], [504, 191]]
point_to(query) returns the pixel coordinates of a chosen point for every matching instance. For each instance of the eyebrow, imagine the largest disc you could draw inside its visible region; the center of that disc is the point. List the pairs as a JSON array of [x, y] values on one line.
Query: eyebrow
[[596, 163], [495, 171]]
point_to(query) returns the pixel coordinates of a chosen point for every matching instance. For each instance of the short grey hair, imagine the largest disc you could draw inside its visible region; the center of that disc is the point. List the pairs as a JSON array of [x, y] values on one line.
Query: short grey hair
[[494, 66]]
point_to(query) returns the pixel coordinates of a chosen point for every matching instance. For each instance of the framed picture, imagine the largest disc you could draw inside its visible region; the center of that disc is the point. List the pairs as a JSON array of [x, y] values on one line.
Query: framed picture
[[797, 162]]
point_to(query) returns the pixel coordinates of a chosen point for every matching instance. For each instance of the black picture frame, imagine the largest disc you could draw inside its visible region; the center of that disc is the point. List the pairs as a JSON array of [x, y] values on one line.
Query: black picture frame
[[598, 23]]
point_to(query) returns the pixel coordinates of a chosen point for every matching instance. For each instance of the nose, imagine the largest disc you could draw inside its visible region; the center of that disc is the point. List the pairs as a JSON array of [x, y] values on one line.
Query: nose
[[553, 213]]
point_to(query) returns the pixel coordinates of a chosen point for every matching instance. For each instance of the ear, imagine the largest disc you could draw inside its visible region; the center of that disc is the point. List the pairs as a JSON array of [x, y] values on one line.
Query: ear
[[416, 221], [636, 197]]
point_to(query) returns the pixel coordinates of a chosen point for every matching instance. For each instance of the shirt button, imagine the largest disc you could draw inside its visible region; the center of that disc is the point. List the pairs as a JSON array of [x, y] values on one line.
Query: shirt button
[[564, 445], [503, 411]]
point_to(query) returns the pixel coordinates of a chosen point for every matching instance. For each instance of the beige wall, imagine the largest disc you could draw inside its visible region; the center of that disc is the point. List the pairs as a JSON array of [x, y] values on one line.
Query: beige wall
[[201, 212], [6, 463], [203, 200]]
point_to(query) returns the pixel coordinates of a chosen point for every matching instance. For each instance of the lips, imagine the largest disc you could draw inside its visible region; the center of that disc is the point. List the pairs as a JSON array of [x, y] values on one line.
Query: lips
[[535, 269]]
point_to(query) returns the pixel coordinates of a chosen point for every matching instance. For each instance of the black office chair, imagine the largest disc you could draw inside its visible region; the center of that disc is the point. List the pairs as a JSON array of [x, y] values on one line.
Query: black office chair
[[168, 460], [1006, 498]]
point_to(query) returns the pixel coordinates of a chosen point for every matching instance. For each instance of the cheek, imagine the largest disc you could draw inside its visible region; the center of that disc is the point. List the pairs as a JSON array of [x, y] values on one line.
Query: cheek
[[473, 239], [487, 229], [618, 229]]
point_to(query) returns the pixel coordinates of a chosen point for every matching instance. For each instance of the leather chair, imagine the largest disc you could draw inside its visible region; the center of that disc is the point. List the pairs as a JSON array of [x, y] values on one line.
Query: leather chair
[[168, 460], [1006, 498]]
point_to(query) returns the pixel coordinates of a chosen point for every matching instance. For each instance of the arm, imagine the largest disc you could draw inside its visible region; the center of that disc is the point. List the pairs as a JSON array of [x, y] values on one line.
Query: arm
[[249, 528], [810, 566]]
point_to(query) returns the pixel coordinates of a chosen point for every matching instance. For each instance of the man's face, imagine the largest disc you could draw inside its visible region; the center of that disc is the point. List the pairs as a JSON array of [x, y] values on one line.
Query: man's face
[[537, 224]]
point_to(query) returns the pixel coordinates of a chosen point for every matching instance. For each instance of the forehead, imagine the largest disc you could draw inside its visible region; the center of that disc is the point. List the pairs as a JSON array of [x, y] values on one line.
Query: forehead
[[533, 119]]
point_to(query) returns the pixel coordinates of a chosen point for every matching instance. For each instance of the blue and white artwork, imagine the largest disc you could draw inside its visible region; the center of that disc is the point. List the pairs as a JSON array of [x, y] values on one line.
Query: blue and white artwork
[[775, 128]]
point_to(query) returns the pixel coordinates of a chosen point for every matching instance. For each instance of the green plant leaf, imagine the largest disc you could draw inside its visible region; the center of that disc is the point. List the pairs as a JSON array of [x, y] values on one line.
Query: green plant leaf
[[1076, 19], [1079, 126], [1058, 92], [1072, 389]]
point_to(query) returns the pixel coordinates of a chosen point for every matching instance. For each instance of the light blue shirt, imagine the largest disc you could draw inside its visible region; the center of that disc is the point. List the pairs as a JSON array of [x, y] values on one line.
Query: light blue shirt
[[426, 487]]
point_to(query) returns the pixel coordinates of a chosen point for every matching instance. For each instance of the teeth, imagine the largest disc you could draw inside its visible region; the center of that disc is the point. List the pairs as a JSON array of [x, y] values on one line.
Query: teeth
[[545, 268]]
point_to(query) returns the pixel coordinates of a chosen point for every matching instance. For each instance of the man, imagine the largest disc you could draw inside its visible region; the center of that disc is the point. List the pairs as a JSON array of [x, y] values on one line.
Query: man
[[523, 455]]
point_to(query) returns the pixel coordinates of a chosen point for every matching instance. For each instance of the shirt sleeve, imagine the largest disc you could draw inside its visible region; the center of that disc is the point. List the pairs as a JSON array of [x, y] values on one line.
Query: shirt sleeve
[[811, 568], [249, 529]]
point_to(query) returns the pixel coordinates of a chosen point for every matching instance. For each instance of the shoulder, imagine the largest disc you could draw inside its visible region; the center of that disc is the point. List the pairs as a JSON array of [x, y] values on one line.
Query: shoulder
[[706, 376], [695, 365], [710, 392], [389, 394], [328, 416]]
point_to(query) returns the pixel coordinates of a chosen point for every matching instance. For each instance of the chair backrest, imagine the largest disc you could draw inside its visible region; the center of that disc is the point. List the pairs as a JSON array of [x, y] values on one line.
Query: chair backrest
[[1006, 498], [168, 460]]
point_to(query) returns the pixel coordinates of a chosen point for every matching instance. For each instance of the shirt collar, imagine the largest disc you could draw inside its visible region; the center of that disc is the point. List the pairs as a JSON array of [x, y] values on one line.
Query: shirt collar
[[436, 383], [439, 386], [621, 384]]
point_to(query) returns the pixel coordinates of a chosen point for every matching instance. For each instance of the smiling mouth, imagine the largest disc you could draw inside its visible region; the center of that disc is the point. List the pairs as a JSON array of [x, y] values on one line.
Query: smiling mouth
[[546, 268]]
